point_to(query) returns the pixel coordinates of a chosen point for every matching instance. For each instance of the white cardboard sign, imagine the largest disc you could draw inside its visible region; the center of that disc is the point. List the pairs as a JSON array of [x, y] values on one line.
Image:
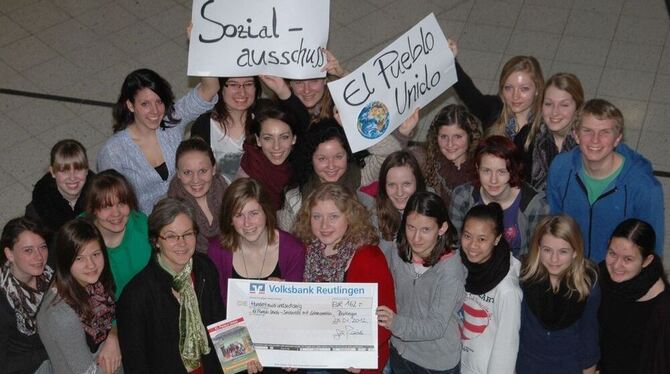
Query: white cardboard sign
[[412, 71], [232, 38]]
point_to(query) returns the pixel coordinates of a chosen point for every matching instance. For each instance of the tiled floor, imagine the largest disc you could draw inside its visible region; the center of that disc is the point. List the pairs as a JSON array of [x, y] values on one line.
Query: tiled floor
[[620, 49]]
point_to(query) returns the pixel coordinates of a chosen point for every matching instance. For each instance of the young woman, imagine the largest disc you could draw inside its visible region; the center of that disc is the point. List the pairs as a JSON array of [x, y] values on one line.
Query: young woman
[[492, 306], [399, 177], [499, 180], [635, 311], [518, 103], [24, 278], [163, 312], [447, 157], [199, 185], [59, 195], [429, 282], [266, 154], [251, 246], [225, 128], [75, 319], [148, 127], [112, 206], [563, 97], [341, 247], [559, 312]]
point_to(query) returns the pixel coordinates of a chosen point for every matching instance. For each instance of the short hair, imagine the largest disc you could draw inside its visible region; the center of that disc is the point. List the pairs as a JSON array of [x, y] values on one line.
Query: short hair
[[501, 147], [580, 275], [529, 65], [134, 83], [105, 186], [69, 242], [236, 196], [638, 232], [359, 231], [431, 205], [68, 154], [194, 144], [602, 110], [164, 213], [14, 228], [388, 216], [451, 115]]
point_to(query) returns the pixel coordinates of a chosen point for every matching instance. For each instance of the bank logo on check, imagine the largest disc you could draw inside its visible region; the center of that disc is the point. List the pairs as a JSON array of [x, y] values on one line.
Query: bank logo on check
[[256, 288]]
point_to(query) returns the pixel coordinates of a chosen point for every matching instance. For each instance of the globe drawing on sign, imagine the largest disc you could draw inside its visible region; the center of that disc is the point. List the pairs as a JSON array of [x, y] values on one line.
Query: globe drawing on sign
[[373, 120]]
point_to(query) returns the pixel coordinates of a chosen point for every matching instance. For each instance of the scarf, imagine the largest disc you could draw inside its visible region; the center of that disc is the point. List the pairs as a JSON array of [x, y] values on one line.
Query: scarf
[[544, 150], [554, 310], [350, 179], [53, 209], [103, 312], [24, 299], [192, 335], [272, 177], [214, 201], [632, 289], [450, 177], [319, 268], [484, 277]]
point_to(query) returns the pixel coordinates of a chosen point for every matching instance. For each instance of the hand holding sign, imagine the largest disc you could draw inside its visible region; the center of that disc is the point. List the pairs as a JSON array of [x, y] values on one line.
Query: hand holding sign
[[383, 92]]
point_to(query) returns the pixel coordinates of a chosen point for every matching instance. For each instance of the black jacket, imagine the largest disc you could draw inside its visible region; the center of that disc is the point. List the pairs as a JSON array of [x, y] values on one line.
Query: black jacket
[[148, 318], [19, 353]]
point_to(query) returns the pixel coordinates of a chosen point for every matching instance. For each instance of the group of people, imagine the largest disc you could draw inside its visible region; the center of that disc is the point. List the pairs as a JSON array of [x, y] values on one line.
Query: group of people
[[522, 236]]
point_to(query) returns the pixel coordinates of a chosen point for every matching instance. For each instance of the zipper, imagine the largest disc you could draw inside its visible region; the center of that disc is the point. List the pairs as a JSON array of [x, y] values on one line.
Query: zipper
[[583, 187]]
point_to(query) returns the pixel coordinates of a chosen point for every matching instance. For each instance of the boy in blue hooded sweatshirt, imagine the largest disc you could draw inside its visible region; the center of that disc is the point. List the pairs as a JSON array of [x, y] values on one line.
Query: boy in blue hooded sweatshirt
[[603, 181]]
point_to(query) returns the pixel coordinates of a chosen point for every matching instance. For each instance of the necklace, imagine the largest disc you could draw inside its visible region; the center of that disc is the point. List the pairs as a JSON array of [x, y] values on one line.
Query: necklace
[[244, 261]]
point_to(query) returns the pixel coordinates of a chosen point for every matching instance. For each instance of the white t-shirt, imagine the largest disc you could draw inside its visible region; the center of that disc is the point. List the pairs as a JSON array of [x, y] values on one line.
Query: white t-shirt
[[227, 151]]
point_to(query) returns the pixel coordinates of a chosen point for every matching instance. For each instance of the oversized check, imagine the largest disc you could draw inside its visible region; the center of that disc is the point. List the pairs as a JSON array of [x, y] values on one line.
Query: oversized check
[[308, 325]]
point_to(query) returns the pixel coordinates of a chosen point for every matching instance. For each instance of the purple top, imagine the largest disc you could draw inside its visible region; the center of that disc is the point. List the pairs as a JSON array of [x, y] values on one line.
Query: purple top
[[291, 260], [510, 222]]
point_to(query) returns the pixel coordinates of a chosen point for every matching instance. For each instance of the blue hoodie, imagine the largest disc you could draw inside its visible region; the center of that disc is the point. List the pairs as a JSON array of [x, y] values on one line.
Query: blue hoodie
[[635, 193]]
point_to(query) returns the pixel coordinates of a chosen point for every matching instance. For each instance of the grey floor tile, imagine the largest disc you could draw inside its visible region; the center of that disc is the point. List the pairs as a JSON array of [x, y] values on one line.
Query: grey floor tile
[[67, 36], [347, 11], [107, 19], [658, 117], [543, 18], [76, 7], [645, 8], [54, 74], [172, 22], [137, 38], [36, 116], [10, 132], [77, 128], [477, 64], [661, 91], [168, 56], [410, 12], [485, 38], [113, 76], [39, 16], [452, 29], [26, 53], [642, 30], [95, 57], [605, 6], [10, 31], [9, 6], [456, 10], [591, 24], [588, 75], [633, 56], [26, 160], [631, 137], [12, 79], [581, 50], [654, 146], [634, 111], [664, 65], [628, 84], [538, 44], [145, 9], [566, 4], [497, 13], [13, 200]]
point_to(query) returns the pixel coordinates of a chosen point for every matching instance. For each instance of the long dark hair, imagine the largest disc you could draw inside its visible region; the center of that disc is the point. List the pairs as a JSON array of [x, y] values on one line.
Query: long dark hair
[[69, 242], [135, 82], [221, 113], [638, 232], [14, 228], [428, 204], [387, 215]]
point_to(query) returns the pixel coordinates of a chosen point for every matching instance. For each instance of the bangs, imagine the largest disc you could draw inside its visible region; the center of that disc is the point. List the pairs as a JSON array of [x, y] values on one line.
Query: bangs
[[76, 161]]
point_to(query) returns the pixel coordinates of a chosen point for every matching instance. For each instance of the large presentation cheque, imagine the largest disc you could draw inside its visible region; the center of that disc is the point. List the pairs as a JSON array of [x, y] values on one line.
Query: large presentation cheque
[[308, 325]]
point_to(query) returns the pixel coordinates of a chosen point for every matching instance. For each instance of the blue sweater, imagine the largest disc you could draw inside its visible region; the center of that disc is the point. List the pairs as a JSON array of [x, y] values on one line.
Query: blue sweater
[[566, 351], [635, 193]]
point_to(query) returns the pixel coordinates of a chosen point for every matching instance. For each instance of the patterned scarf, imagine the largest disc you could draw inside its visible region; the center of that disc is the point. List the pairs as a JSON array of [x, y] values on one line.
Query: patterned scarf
[[192, 336], [322, 268], [24, 299], [544, 151], [103, 311]]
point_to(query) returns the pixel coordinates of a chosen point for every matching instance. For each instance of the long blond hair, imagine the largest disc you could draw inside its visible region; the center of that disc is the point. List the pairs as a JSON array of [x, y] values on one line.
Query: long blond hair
[[580, 275]]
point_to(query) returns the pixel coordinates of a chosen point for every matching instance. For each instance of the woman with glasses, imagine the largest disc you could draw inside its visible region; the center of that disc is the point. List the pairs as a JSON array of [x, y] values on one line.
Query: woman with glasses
[[163, 312], [226, 127]]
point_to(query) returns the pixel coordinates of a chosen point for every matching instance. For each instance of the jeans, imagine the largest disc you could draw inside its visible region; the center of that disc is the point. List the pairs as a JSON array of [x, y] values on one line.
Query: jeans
[[401, 366]]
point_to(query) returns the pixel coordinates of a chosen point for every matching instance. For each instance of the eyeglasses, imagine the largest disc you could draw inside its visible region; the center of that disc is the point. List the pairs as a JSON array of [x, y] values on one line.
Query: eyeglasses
[[172, 238], [236, 86]]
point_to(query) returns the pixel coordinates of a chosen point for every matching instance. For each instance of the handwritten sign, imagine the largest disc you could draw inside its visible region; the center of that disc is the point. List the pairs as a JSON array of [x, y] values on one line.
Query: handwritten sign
[[294, 324], [412, 71], [244, 38]]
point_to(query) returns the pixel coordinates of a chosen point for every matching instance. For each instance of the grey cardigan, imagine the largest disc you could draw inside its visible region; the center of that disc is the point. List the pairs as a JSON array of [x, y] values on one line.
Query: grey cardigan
[[425, 330], [64, 338], [122, 154]]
